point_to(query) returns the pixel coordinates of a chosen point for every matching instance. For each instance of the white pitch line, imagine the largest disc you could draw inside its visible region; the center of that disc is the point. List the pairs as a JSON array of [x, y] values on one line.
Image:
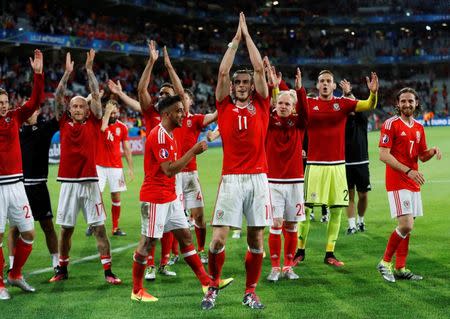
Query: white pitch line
[[82, 260]]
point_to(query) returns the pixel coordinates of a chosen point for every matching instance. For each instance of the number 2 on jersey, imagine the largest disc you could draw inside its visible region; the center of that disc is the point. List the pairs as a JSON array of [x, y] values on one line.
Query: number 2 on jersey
[[242, 121]]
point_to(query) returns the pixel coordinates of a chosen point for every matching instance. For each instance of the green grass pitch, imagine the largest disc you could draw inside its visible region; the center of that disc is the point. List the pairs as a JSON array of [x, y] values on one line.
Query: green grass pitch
[[355, 291]]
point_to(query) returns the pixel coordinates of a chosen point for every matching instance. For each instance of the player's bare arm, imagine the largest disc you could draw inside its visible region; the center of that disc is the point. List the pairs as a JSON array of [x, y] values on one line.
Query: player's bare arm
[[116, 88], [173, 168], [371, 102], [209, 118], [429, 154], [60, 104], [96, 105], [175, 80], [213, 135], [387, 158], [105, 119], [129, 159], [255, 58], [223, 80], [302, 102], [145, 99]]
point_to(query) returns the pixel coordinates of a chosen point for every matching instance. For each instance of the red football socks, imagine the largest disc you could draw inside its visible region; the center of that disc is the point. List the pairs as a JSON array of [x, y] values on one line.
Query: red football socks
[[215, 264], [193, 260], [23, 250]]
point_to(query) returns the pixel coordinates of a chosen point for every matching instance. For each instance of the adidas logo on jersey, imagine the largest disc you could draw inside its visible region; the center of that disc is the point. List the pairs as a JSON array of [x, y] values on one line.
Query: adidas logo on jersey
[[316, 108], [403, 133]]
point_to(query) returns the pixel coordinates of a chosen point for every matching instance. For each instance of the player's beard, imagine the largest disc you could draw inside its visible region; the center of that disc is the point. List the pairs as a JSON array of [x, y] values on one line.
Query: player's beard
[[112, 120]]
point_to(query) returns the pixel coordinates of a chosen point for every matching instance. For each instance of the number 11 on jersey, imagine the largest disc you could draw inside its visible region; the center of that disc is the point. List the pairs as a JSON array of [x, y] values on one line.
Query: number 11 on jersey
[[242, 121]]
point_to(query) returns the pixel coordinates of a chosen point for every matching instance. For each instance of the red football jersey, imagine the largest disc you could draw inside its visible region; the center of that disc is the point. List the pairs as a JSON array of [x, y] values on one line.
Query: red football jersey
[[326, 129], [284, 144], [108, 150], [10, 153], [406, 143], [78, 149], [151, 118], [160, 147], [243, 131], [187, 136]]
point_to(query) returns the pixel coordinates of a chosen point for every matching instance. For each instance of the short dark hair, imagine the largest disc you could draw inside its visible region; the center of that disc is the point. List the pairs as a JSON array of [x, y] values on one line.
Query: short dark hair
[[168, 85], [326, 72], [243, 71], [167, 102], [190, 93], [3, 92]]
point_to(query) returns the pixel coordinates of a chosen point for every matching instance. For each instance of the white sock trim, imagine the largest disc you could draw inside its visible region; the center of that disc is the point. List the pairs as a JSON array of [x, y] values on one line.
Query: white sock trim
[[400, 234], [29, 242], [189, 253], [115, 203], [294, 230], [275, 231], [255, 250], [216, 251]]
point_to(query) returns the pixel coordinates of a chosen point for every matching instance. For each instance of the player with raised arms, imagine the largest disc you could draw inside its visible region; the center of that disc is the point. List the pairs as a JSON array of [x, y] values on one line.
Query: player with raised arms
[[244, 189]]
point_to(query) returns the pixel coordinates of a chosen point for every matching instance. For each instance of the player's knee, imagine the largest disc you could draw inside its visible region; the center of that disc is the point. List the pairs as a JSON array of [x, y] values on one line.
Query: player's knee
[[290, 226], [47, 226], [28, 235], [217, 244], [277, 222], [362, 195]]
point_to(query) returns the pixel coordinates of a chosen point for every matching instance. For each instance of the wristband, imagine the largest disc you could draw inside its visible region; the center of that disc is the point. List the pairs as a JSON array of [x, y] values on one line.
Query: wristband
[[408, 171]]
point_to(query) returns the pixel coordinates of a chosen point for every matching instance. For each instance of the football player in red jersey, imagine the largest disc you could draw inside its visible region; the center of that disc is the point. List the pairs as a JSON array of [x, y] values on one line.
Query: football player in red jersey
[[402, 144], [14, 204], [284, 145], [80, 128], [187, 136], [244, 189], [109, 160], [161, 211], [325, 178]]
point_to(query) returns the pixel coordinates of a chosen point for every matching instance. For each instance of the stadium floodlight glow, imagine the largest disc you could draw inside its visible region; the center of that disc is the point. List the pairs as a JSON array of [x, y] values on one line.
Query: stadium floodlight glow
[[323, 32], [200, 28], [402, 28], [444, 24], [428, 28], [275, 3], [346, 30], [353, 33], [408, 13], [20, 29], [216, 30]]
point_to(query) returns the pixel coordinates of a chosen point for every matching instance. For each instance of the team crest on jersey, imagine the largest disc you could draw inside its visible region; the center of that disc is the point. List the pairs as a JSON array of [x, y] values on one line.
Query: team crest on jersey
[[385, 139], [313, 196], [251, 109], [117, 131], [34, 128], [316, 108], [163, 153], [407, 204], [417, 136], [7, 119], [219, 214], [189, 123], [160, 227], [290, 123], [336, 107]]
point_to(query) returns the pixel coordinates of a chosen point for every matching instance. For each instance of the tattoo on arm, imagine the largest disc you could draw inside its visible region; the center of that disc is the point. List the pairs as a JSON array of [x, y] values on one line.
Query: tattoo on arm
[[59, 95], [96, 106]]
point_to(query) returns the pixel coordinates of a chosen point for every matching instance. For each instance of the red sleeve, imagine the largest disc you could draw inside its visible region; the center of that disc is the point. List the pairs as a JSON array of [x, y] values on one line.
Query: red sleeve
[[283, 86], [423, 142], [386, 135], [199, 118], [160, 151], [265, 102], [349, 105], [37, 95], [302, 106], [227, 100], [124, 133]]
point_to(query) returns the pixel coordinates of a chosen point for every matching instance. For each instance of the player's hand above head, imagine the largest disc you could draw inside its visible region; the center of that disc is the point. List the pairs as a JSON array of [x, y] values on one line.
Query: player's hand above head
[[372, 83], [345, 86], [69, 63], [153, 53], [90, 59], [37, 63], [200, 147], [115, 88], [298, 79], [243, 25], [109, 107], [167, 62]]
